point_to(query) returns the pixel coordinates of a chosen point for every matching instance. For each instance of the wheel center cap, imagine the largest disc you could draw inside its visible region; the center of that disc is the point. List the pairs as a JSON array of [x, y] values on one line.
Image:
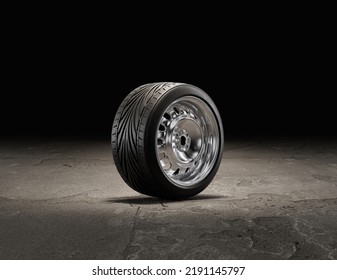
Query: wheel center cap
[[182, 140]]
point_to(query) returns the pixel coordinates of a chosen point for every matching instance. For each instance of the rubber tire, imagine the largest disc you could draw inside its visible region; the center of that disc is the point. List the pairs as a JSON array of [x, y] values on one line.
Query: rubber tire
[[133, 139]]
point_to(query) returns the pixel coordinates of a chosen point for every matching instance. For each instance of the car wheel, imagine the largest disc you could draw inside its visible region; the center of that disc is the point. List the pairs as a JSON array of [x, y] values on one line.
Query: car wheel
[[167, 140]]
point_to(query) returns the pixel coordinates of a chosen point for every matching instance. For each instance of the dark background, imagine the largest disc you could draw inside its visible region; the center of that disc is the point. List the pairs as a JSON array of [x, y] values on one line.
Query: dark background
[[66, 77]]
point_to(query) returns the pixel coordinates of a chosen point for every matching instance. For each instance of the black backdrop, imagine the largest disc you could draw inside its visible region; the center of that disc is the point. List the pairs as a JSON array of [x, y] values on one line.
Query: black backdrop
[[63, 81]]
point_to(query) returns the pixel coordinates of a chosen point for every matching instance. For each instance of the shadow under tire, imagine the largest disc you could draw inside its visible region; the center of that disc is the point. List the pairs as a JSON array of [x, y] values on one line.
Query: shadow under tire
[[167, 140]]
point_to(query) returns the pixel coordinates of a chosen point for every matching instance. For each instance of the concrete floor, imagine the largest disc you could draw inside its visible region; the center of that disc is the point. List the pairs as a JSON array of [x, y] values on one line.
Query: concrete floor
[[269, 200]]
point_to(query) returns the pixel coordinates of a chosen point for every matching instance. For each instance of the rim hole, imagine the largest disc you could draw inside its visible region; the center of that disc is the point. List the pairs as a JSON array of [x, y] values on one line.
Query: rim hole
[[160, 142], [187, 170], [167, 167], [176, 172], [176, 110], [161, 127], [162, 156], [183, 140], [167, 116]]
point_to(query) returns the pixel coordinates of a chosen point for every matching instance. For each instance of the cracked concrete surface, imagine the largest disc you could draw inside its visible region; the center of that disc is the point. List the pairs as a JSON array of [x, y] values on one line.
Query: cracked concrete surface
[[269, 200]]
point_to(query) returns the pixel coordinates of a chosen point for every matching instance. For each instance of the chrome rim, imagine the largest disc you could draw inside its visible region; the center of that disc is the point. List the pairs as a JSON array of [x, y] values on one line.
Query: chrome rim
[[188, 141]]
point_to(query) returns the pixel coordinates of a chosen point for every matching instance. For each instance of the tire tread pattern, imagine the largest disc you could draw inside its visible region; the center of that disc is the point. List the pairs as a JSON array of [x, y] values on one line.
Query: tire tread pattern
[[127, 137]]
